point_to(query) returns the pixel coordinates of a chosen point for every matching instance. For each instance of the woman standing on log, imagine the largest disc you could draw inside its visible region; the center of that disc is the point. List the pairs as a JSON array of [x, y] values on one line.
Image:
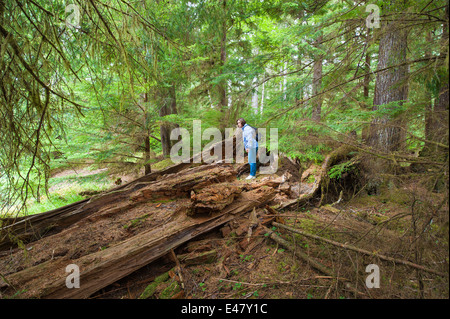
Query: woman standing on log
[[250, 145]]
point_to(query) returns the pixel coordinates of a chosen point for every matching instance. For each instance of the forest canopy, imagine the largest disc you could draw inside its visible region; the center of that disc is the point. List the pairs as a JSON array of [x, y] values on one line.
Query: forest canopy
[[109, 80]]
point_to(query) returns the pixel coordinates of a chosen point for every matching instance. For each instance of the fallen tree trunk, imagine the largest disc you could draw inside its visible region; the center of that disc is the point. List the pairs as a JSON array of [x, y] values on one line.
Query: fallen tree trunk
[[34, 227], [101, 268], [118, 232], [122, 202]]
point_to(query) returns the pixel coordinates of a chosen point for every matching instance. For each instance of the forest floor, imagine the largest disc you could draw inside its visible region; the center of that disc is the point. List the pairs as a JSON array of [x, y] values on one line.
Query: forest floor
[[237, 269], [230, 262]]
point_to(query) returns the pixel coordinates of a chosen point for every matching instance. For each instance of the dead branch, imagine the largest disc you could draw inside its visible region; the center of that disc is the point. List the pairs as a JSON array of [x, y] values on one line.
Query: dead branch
[[315, 264], [362, 251]]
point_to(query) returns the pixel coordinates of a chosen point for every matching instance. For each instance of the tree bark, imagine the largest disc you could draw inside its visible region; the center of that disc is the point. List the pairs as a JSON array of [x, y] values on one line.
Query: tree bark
[[168, 103], [147, 166], [366, 82], [391, 86], [299, 93], [317, 84], [222, 86]]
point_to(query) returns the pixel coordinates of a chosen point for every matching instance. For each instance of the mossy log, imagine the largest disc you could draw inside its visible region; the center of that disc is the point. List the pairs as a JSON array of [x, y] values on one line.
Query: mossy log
[[150, 290]]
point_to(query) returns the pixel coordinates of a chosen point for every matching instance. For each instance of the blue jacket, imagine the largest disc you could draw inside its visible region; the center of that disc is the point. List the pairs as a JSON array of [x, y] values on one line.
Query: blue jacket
[[248, 135]]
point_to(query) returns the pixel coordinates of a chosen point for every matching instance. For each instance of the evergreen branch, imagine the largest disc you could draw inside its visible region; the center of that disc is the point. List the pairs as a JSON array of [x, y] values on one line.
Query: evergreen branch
[[8, 37], [301, 102]]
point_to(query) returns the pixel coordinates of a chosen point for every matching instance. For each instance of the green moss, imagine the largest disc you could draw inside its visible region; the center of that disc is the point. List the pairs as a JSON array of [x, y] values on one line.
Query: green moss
[[149, 291], [308, 225], [135, 222], [170, 290], [162, 164], [163, 201]]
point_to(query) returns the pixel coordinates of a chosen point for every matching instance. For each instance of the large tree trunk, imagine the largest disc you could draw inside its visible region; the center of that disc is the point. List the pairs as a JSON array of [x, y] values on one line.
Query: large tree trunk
[[223, 58], [429, 101], [31, 228], [168, 102], [366, 83], [261, 105], [147, 166], [390, 86], [317, 84], [437, 132]]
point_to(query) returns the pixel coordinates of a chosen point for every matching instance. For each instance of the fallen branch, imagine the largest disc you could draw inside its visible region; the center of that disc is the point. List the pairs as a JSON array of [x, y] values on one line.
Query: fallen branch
[[363, 251], [315, 264], [265, 284]]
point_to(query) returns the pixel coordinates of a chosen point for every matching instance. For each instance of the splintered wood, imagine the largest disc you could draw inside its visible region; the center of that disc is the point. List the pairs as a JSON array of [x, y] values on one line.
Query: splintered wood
[[214, 198], [112, 235]]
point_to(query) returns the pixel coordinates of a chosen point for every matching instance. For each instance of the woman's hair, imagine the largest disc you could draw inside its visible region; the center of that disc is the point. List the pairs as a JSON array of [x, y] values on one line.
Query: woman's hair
[[242, 121]]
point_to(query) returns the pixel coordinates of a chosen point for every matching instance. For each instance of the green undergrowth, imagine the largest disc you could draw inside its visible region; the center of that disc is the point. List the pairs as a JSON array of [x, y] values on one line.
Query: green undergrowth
[[67, 189], [70, 185]]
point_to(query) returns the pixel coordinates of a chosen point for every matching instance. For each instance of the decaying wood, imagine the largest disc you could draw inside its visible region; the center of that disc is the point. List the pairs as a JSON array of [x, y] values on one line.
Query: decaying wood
[[198, 258], [198, 198], [363, 251], [178, 268], [101, 268], [214, 198], [182, 184], [34, 227]]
